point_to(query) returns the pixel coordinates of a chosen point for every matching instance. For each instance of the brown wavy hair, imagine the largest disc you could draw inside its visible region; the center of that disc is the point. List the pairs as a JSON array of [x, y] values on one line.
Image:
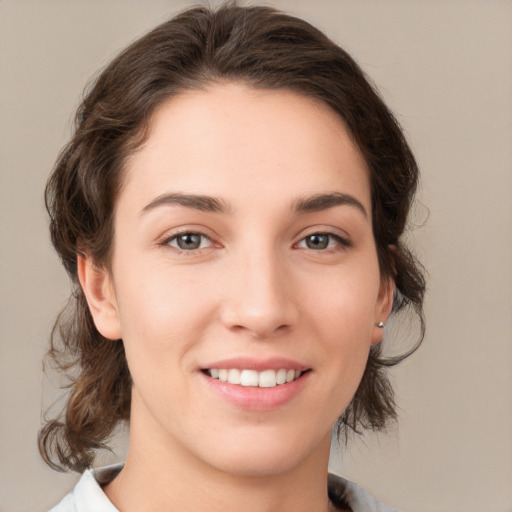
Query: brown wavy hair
[[263, 48]]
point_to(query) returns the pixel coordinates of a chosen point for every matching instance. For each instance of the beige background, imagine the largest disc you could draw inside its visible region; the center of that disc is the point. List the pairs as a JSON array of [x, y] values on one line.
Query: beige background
[[445, 67]]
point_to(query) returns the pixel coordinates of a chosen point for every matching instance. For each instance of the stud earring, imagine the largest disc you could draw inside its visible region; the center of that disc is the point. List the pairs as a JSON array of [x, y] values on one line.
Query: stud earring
[[380, 325]]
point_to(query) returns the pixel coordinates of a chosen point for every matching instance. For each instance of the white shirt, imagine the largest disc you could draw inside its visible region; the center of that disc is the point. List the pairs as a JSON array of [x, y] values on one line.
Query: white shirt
[[88, 496]]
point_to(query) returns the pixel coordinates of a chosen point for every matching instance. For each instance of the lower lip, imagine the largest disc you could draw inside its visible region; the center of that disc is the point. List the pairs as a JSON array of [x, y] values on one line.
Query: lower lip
[[251, 398]]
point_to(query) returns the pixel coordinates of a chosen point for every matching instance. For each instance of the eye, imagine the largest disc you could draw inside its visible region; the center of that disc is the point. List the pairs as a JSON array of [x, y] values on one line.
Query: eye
[[322, 241], [188, 241]]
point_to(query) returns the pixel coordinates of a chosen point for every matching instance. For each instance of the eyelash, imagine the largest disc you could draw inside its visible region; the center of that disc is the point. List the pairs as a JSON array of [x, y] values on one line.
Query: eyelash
[[185, 252], [341, 243]]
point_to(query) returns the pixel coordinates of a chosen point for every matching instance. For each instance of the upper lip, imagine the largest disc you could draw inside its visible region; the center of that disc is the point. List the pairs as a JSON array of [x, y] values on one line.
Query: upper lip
[[250, 363]]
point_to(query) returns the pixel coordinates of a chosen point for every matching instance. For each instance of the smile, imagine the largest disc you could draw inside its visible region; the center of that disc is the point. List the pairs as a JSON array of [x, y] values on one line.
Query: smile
[[244, 377]]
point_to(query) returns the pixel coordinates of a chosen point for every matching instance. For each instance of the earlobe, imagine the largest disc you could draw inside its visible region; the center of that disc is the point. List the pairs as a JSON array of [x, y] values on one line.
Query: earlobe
[[99, 291], [383, 309]]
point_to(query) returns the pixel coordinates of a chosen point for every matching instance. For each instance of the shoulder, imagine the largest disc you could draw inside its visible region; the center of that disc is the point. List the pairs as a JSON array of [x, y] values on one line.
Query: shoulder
[[343, 492], [88, 496]]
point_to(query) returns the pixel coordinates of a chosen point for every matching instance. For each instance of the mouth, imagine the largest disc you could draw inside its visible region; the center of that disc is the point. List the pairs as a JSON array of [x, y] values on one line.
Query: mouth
[[268, 378], [257, 385]]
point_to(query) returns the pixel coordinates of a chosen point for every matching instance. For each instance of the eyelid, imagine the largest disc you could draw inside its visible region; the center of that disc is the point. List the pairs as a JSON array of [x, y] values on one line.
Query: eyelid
[[343, 241], [167, 238]]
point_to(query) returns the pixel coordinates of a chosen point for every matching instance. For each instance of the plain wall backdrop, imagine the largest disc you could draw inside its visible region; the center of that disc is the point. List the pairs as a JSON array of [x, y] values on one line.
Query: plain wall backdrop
[[445, 68]]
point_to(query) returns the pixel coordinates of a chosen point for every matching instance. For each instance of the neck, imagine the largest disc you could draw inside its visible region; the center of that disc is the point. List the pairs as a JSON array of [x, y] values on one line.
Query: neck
[[162, 475]]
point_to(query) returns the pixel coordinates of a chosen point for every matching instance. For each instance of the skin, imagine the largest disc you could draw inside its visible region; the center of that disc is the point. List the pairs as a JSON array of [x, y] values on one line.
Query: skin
[[255, 287]]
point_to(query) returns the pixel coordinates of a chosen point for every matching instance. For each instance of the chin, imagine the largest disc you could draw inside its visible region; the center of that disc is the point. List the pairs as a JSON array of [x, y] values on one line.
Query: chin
[[263, 465], [264, 454]]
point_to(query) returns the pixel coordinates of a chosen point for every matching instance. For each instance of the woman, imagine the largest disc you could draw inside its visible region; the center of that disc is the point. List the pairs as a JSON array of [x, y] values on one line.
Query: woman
[[230, 210]]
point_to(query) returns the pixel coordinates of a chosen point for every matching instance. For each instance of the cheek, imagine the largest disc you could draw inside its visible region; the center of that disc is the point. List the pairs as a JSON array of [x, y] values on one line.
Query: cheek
[[163, 315], [344, 301], [342, 320]]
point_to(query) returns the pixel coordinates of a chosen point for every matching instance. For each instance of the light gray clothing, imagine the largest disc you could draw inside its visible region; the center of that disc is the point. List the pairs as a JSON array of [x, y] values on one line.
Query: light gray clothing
[[88, 496]]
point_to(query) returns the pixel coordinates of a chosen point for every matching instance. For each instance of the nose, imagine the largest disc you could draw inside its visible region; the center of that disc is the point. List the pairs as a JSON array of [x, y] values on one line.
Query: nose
[[259, 298]]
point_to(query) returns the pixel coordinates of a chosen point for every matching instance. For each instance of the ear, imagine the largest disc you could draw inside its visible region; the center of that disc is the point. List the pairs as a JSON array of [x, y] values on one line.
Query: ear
[[383, 307], [99, 291]]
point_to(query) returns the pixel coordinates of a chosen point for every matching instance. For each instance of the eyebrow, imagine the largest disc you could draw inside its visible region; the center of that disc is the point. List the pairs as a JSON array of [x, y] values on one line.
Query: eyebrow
[[197, 202], [319, 202], [307, 204]]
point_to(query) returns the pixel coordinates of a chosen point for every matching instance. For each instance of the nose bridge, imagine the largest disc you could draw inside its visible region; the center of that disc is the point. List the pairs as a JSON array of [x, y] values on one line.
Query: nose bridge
[[260, 298]]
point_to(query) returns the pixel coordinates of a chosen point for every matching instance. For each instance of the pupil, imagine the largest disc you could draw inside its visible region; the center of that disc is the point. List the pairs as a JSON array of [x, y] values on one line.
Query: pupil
[[189, 241], [317, 241]]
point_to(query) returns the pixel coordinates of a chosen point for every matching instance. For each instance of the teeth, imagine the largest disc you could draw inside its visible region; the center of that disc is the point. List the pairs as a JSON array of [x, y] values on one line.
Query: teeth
[[248, 378], [268, 379], [234, 376], [264, 379]]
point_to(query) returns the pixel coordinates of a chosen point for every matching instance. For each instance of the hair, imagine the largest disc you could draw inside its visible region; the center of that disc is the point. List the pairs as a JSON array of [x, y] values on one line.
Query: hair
[[265, 49]]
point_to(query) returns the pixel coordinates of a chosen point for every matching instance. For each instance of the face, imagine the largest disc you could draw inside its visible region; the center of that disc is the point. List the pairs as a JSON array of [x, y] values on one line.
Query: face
[[243, 251]]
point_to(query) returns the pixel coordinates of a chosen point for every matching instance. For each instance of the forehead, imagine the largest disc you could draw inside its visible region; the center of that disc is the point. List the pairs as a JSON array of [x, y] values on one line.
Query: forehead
[[232, 139]]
